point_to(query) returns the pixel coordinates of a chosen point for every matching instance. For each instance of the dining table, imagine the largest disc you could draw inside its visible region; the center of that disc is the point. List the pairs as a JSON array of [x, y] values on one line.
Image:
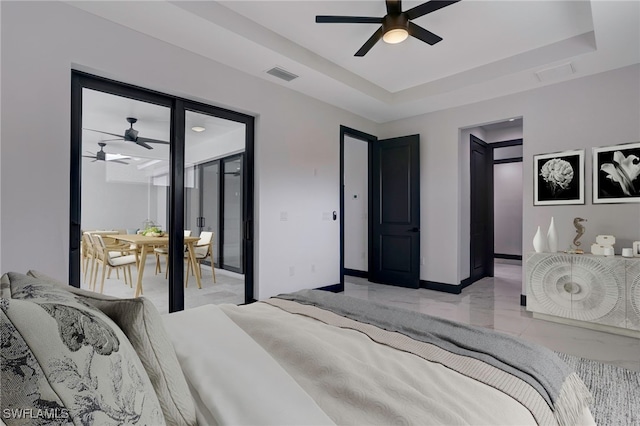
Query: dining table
[[147, 243]]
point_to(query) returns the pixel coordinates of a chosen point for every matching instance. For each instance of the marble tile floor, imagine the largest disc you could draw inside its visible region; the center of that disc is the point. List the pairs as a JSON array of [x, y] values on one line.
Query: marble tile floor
[[229, 287], [495, 303]]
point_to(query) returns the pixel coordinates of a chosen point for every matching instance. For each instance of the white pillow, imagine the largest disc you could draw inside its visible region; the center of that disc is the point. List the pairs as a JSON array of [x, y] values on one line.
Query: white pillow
[[141, 323]]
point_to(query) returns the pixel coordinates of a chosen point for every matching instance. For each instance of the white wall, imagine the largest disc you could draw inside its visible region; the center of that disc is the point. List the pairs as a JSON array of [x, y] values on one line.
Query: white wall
[[507, 210], [297, 146], [111, 205], [588, 112], [297, 149], [222, 146], [356, 204]]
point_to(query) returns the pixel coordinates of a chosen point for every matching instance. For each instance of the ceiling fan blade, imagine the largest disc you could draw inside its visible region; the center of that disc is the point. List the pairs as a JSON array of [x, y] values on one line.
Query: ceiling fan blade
[[106, 133], [428, 7], [118, 161], [370, 43], [323, 19], [149, 140], [422, 34], [89, 156], [394, 7], [141, 143]]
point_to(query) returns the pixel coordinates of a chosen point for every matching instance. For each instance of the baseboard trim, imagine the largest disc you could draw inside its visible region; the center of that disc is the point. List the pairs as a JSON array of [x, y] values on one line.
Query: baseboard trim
[[356, 273], [334, 288], [446, 288], [507, 256], [523, 300]]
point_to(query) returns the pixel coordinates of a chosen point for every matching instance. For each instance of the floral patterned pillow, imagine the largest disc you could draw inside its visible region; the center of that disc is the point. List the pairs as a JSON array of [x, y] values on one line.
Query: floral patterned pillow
[[63, 361]]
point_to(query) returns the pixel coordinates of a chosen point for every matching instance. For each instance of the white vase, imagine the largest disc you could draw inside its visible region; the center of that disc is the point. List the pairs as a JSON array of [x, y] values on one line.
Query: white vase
[[552, 237], [539, 243]]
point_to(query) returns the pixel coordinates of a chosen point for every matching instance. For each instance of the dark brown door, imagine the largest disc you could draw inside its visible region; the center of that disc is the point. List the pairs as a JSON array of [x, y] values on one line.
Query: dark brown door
[[481, 209], [395, 193]]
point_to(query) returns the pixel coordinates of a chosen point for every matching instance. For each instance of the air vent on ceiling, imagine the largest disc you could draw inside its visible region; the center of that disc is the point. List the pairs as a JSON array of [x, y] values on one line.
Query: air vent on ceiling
[[555, 73], [282, 74]]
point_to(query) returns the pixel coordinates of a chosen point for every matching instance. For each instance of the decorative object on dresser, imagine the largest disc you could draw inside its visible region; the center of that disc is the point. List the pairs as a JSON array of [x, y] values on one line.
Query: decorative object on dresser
[[585, 290], [616, 174], [636, 249], [580, 229], [558, 178], [603, 245], [539, 243], [627, 252], [552, 237]]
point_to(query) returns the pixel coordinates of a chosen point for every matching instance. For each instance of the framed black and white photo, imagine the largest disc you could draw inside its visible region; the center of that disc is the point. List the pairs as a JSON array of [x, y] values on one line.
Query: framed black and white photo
[[558, 178], [616, 174]]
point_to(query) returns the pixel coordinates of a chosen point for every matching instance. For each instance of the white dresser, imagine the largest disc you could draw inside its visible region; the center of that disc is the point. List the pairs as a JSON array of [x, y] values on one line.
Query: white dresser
[[596, 292]]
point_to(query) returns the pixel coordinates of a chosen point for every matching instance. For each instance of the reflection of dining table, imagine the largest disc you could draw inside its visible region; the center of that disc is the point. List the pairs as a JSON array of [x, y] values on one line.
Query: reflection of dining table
[[146, 245]]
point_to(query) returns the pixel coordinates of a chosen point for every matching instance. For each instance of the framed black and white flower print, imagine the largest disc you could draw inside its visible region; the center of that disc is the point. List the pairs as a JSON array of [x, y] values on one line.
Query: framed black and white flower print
[[558, 178], [616, 174]]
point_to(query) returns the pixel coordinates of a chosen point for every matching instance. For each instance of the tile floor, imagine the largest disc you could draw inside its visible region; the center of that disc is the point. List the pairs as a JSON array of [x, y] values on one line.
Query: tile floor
[[495, 303], [229, 287]]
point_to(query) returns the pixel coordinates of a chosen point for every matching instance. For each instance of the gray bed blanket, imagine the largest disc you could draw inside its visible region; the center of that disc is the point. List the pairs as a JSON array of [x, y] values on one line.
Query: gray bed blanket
[[564, 393]]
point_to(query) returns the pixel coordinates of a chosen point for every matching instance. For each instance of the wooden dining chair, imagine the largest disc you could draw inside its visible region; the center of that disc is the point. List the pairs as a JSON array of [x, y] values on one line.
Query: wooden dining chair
[[164, 251], [203, 249], [111, 260], [88, 257]]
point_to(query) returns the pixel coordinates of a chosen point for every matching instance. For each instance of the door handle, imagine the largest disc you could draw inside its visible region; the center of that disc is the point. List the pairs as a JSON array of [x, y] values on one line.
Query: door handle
[[414, 230]]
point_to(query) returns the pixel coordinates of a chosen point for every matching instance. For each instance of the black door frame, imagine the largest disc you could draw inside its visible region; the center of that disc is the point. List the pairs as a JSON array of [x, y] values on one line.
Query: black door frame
[[221, 192], [369, 139], [221, 189], [178, 106]]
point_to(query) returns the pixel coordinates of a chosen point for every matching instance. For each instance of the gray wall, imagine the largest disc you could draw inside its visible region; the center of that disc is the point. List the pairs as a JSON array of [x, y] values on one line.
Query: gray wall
[[297, 149], [356, 196], [593, 111], [507, 208]]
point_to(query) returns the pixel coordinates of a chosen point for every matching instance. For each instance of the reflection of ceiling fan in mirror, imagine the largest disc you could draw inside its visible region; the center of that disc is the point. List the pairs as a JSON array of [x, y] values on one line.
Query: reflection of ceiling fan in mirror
[[102, 156], [131, 135]]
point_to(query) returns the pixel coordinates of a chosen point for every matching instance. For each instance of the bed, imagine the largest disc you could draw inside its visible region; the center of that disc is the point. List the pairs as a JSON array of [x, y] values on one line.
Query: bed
[[309, 357]]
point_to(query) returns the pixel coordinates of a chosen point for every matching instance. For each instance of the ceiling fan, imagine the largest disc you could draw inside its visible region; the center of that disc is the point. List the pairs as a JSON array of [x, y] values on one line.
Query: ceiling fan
[[396, 24], [131, 135], [102, 156]]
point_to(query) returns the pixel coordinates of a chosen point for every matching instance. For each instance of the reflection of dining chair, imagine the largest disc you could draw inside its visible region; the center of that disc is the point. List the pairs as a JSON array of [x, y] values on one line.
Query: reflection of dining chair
[[111, 259], [164, 251], [88, 256], [203, 248]]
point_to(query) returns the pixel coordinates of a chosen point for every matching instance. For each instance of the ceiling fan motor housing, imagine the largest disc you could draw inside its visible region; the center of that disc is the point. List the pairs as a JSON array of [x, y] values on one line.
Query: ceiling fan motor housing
[[395, 22], [130, 135]]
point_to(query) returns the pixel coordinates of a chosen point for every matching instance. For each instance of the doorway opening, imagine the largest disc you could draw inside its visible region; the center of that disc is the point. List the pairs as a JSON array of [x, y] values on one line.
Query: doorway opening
[[495, 194], [380, 219]]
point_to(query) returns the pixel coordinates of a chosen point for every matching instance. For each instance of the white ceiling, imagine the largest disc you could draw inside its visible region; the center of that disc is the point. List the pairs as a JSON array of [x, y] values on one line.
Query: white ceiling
[[108, 113], [489, 49]]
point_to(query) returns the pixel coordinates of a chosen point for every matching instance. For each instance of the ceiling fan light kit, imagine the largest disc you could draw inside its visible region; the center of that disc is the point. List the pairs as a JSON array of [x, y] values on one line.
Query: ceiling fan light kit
[[396, 24]]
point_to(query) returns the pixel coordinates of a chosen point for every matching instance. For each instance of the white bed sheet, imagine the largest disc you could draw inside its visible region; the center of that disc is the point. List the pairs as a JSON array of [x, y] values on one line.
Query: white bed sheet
[[258, 365], [233, 380]]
